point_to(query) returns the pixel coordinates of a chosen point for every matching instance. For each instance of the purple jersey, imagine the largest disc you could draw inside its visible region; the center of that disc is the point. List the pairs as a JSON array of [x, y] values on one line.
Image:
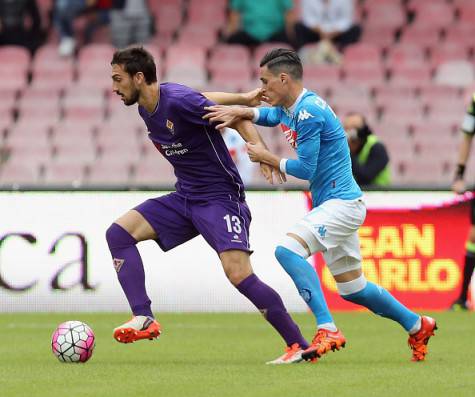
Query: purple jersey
[[195, 149]]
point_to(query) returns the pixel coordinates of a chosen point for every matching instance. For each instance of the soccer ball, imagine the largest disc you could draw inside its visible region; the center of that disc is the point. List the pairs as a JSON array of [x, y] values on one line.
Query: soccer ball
[[73, 342]]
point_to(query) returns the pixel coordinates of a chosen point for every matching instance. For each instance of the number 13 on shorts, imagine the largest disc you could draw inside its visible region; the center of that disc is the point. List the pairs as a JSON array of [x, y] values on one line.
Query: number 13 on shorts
[[233, 224]]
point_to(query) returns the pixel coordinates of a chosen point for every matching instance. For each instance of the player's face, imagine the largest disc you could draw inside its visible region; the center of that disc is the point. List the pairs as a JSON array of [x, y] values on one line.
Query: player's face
[[124, 85], [274, 86]]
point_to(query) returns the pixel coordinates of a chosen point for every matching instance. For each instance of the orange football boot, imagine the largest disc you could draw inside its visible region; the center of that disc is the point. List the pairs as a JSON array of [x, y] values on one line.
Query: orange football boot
[[139, 327], [418, 342], [322, 343], [293, 354]]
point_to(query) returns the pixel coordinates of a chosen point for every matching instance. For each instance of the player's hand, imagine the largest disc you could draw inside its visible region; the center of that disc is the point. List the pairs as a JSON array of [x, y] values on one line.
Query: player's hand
[[256, 152], [253, 98], [281, 176], [270, 172], [226, 115], [266, 170], [459, 186]]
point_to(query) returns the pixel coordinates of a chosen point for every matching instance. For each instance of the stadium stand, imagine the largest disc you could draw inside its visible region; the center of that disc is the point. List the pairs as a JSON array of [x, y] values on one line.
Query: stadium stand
[[411, 73]]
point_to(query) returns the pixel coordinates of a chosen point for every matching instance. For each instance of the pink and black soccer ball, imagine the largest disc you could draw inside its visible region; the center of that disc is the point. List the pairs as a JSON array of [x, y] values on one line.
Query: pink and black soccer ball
[[73, 342]]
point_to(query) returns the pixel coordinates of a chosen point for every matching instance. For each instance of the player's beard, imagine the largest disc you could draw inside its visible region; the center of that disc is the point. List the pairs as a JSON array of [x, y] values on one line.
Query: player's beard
[[134, 97]]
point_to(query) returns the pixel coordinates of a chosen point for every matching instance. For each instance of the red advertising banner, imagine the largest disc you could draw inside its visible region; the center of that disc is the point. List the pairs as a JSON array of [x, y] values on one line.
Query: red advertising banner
[[416, 254]]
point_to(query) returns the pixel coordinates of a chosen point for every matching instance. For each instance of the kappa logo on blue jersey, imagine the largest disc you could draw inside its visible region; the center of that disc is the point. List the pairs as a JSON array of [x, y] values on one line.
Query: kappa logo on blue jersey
[[304, 115], [322, 231]]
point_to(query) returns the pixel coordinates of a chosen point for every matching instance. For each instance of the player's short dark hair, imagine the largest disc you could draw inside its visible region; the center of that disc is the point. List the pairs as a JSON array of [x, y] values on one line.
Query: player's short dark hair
[[134, 60], [283, 60]]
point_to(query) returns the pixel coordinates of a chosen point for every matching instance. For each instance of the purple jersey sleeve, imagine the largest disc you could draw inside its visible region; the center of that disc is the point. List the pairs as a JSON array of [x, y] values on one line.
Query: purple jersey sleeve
[[192, 108]]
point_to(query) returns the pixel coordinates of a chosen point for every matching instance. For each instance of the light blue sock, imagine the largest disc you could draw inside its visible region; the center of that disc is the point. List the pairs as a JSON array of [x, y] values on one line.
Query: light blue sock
[[307, 283], [381, 302]]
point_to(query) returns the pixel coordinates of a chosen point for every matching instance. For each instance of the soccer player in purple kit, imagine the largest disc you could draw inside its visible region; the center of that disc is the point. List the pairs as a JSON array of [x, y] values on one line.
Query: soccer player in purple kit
[[209, 200]]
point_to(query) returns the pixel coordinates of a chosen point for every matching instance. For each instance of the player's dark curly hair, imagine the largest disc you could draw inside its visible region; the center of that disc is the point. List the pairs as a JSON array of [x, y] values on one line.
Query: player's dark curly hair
[[283, 60], [134, 60]]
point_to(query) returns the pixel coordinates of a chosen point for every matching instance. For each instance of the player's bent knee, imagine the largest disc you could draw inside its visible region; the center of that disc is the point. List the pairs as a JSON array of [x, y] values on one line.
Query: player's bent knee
[[343, 265], [118, 237], [236, 265], [308, 237], [236, 278], [236, 274]]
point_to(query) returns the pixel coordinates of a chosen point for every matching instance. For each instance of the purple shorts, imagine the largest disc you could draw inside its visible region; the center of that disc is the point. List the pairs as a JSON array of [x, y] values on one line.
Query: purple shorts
[[223, 221]]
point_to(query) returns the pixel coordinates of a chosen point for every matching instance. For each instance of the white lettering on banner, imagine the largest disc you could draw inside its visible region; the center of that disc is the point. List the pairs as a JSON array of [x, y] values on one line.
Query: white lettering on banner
[[54, 256], [187, 278]]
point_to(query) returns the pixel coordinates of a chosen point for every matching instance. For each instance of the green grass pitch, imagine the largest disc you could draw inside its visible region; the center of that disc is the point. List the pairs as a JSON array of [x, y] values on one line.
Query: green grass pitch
[[223, 355]]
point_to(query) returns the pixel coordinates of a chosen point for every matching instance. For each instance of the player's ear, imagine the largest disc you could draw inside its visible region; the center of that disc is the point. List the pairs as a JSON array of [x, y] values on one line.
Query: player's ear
[[283, 78], [139, 78]]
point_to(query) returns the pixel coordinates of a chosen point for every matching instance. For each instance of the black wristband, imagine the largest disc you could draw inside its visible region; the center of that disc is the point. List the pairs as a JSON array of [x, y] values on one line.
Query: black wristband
[[460, 171]]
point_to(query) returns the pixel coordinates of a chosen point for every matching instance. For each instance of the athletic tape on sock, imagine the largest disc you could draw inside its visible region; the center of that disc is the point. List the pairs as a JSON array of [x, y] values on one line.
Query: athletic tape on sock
[[294, 246], [353, 286]]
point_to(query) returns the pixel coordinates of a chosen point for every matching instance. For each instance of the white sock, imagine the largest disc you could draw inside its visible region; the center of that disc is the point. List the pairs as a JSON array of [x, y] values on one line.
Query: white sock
[[328, 326], [417, 326]]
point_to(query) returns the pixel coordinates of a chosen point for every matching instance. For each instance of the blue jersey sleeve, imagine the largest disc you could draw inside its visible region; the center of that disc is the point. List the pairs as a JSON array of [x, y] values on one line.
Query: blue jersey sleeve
[[308, 145], [269, 117]]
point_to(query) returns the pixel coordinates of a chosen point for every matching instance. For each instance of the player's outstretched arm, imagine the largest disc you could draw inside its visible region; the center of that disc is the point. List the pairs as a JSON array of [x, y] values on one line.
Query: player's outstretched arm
[[228, 116], [252, 98], [252, 137], [308, 148], [269, 162], [261, 154]]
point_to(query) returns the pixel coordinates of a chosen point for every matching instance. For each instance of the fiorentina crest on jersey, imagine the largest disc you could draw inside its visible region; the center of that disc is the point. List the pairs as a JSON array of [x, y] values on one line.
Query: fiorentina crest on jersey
[[170, 126], [290, 135]]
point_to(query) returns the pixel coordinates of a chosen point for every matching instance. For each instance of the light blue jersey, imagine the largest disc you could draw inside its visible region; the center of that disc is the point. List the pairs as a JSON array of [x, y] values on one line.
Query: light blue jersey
[[323, 155]]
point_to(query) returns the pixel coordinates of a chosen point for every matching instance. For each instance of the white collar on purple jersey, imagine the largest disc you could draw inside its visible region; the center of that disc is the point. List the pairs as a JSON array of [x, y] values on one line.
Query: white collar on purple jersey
[[299, 98]]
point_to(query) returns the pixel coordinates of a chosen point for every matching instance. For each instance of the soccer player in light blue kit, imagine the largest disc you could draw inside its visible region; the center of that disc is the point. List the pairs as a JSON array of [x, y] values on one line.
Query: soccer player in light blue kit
[[323, 158]]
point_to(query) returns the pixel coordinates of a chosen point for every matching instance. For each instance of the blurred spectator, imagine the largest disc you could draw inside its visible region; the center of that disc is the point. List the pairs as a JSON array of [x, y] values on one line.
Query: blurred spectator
[[130, 22], [369, 157], [66, 11], [14, 30], [253, 22], [330, 21], [237, 149], [459, 186]]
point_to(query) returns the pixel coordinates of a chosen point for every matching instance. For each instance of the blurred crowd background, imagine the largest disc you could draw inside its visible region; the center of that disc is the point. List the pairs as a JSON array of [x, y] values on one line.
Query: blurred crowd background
[[406, 65]]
